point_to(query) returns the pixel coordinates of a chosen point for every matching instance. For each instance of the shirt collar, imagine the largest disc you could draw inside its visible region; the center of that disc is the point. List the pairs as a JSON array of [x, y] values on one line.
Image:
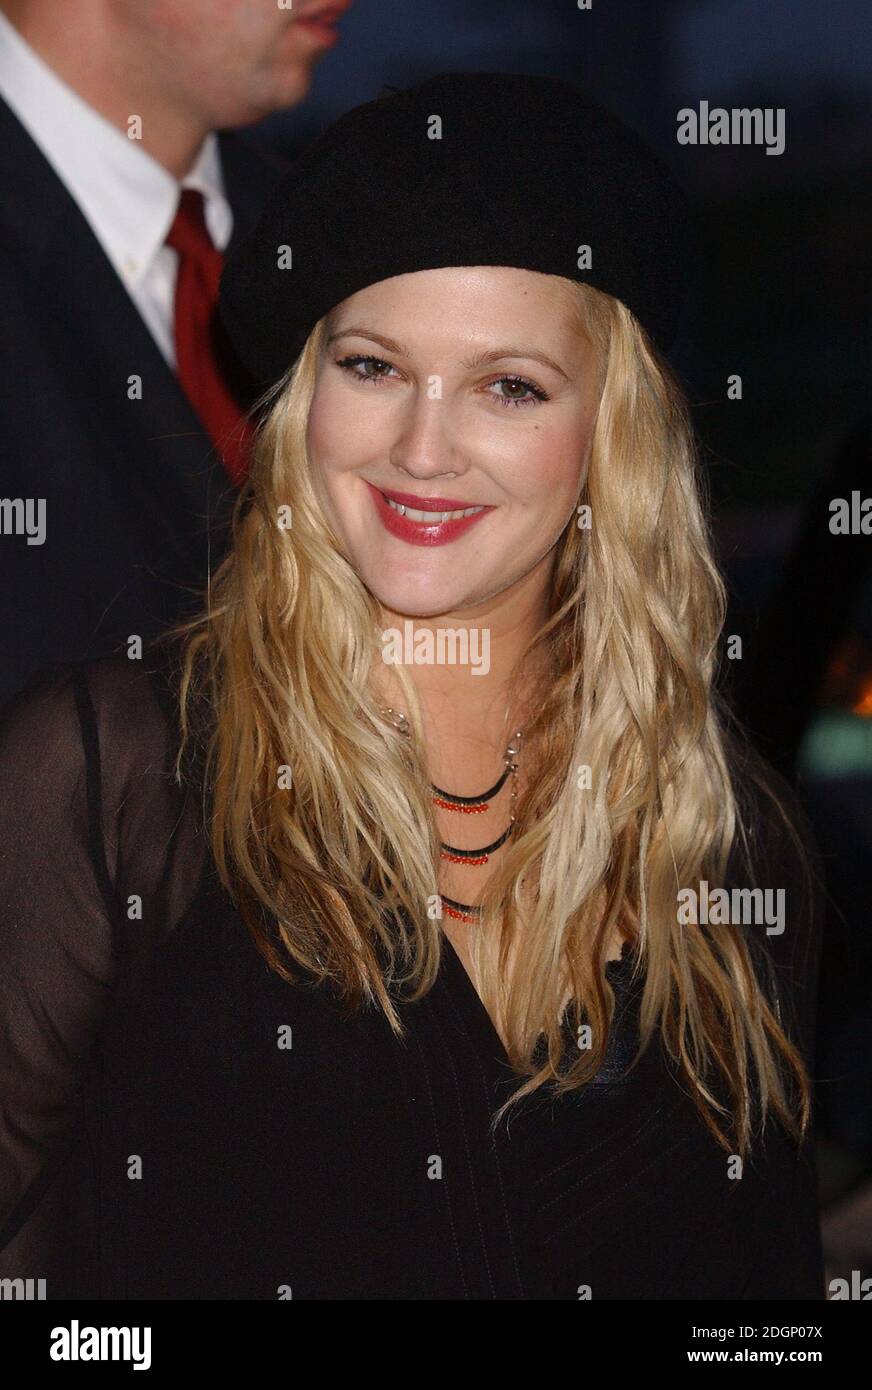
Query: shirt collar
[[128, 198]]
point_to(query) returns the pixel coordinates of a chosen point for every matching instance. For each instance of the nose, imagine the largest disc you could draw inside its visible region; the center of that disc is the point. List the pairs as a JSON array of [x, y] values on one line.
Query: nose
[[423, 446]]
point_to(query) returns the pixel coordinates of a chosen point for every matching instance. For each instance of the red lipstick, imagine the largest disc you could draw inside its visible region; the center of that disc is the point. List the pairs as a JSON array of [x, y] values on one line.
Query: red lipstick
[[424, 532]]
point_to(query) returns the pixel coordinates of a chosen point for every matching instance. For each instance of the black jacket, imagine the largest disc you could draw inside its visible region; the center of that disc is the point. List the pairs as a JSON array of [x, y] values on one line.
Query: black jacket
[[179, 1122], [137, 503]]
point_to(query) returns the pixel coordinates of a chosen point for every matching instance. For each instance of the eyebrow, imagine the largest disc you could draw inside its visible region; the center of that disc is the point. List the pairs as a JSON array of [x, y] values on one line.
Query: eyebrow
[[479, 359], [387, 343]]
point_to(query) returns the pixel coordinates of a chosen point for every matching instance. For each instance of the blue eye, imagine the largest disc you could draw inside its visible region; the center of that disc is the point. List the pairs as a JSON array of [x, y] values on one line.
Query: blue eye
[[530, 393], [353, 366]]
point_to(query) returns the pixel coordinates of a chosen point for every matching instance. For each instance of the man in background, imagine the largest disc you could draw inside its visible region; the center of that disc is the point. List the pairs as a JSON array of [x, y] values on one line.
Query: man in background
[[123, 438]]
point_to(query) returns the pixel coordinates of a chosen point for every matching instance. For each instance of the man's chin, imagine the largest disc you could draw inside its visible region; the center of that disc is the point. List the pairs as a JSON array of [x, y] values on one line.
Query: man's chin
[[286, 91]]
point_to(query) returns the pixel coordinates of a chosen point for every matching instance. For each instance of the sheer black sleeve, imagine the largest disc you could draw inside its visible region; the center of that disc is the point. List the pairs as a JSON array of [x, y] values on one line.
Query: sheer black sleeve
[[99, 853]]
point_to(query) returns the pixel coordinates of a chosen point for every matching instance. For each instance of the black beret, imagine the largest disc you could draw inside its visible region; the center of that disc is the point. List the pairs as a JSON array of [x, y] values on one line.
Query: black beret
[[462, 169]]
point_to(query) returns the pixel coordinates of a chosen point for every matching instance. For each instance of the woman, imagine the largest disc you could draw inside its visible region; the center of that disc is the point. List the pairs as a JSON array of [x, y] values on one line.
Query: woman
[[445, 742]]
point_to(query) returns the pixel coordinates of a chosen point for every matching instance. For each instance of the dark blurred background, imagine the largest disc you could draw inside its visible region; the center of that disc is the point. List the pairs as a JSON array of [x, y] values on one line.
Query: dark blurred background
[[780, 297]]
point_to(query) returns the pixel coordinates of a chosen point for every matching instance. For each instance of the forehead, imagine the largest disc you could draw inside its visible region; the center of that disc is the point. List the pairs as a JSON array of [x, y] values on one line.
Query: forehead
[[477, 306]]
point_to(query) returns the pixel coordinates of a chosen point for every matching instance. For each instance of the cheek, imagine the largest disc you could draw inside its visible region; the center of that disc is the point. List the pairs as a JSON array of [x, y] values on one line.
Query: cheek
[[544, 465], [327, 432], [179, 21], [320, 431], [344, 432]]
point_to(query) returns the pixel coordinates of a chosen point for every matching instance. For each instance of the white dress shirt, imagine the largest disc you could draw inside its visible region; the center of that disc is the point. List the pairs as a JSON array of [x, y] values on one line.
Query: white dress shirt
[[128, 198]]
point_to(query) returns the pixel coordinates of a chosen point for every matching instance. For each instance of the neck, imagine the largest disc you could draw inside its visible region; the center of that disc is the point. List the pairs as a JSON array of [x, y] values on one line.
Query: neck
[[89, 52], [469, 718]]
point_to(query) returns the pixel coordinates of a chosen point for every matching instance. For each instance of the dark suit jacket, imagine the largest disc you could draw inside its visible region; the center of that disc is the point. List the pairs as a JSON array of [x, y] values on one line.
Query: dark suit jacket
[[137, 501]]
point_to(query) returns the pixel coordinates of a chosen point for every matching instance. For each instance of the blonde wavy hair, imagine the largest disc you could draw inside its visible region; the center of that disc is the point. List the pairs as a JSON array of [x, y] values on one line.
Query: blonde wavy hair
[[335, 875]]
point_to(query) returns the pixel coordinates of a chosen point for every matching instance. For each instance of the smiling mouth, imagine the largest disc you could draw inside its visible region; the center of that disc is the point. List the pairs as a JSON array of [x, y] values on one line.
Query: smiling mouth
[[416, 514], [426, 521]]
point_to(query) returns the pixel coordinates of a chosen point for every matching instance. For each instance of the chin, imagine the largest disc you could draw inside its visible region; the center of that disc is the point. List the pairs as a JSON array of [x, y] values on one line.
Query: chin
[[286, 87], [404, 601], [292, 86]]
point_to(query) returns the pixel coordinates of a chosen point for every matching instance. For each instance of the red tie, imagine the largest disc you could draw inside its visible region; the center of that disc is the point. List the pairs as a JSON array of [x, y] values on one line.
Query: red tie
[[202, 360]]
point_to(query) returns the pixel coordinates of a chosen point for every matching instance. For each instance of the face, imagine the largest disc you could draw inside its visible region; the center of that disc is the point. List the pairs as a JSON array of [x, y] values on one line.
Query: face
[[237, 59], [447, 390]]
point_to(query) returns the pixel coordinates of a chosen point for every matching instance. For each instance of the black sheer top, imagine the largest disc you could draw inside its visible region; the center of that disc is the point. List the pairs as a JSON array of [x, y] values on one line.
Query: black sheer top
[[176, 1121]]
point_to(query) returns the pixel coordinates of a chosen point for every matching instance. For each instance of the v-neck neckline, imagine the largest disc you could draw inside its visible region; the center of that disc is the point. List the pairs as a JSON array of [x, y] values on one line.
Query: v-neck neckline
[[476, 1014]]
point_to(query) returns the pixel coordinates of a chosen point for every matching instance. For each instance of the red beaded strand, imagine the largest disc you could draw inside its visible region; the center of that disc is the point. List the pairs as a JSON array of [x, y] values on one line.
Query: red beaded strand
[[473, 805]]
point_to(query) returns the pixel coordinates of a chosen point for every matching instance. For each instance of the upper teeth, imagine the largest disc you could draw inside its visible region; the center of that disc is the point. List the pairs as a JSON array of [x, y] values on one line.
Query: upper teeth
[[414, 514]]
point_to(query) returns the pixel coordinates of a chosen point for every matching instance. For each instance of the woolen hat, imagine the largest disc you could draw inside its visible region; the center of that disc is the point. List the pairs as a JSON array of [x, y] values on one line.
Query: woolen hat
[[463, 169]]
